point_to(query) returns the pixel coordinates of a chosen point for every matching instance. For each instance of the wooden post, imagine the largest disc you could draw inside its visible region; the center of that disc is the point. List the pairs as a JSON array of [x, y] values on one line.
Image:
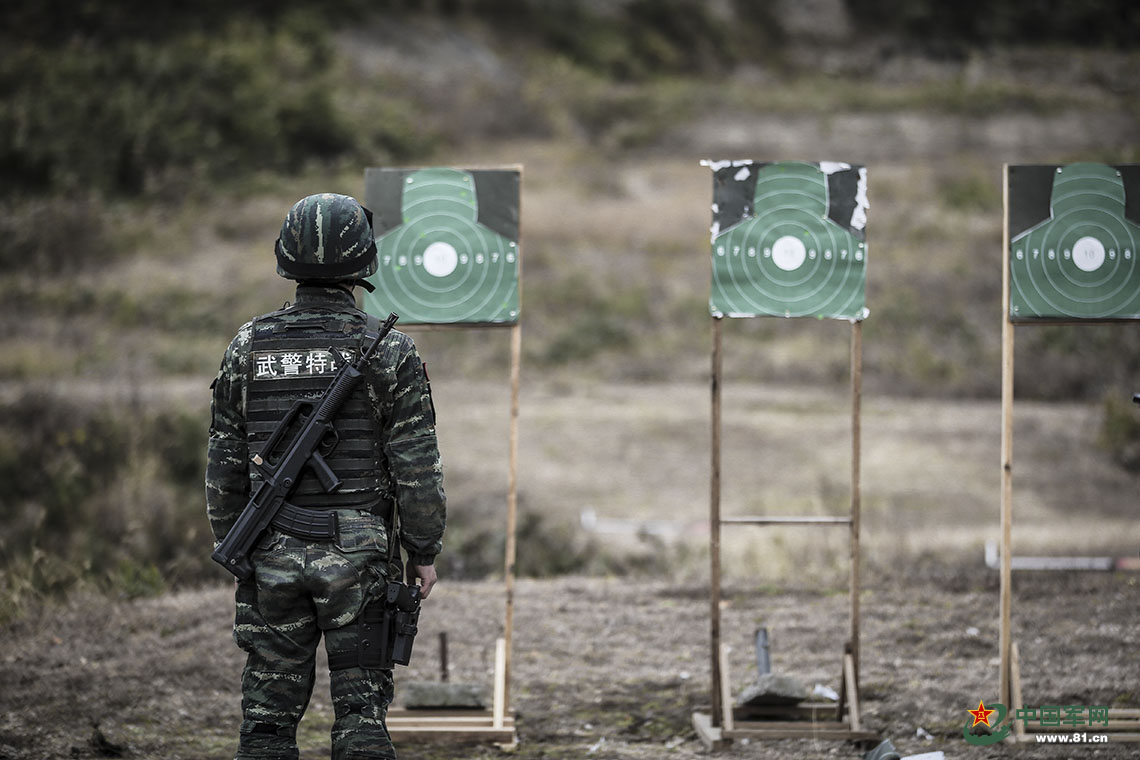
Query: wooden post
[[856, 479], [728, 721], [1015, 691], [512, 505], [513, 476], [714, 526], [852, 692], [841, 703], [499, 705], [1006, 456]]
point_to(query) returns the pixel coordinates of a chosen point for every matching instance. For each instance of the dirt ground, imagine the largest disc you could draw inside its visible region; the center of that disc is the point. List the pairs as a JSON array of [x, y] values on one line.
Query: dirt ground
[[602, 668], [613, 667]]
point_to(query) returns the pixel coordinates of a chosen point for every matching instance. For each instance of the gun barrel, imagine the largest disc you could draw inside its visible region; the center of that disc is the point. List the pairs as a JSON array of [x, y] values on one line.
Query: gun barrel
[[385, 328]]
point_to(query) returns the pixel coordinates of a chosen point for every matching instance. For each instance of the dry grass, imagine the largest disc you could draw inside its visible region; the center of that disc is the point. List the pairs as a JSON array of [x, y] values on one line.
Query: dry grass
[[616, 342], [930, 471]]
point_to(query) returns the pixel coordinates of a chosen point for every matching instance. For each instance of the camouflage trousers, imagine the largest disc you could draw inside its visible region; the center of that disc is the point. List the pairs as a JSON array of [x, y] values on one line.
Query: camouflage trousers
[[300, 590]]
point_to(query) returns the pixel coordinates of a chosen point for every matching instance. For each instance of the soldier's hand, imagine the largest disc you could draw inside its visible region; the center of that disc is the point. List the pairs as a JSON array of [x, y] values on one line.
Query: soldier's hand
[[426, 575]]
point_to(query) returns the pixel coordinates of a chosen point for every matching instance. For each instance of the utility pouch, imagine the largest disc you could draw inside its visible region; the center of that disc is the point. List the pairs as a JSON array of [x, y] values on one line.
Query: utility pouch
[[388, 627]]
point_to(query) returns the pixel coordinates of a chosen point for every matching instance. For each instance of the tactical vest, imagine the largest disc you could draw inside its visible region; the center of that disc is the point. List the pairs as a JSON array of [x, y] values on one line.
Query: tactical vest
[[290, 359]]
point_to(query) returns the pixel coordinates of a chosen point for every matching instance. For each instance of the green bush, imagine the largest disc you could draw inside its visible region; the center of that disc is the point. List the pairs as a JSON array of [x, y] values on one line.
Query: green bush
[[1066, 362], [1090, 23], [131, 113], [116, 118], [639, 39], [976, 192], [1120, 430], [105, 494], [57, 454], [54, 235], [591, 333]]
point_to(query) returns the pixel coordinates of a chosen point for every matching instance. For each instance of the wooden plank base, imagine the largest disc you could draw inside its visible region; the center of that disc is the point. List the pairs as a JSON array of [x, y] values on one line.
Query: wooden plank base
[[450, 725], [717, 738], [808, 731], [708, 734]]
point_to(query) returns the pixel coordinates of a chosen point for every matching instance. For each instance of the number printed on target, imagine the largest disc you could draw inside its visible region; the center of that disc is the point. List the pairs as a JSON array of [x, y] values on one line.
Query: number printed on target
[[1073, 244], [447, 245], [788, 239]]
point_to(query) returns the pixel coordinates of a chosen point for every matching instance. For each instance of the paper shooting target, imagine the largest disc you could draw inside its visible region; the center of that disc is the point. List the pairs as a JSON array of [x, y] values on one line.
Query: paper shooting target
[[447, 245], [788, 240], [1074, 241]]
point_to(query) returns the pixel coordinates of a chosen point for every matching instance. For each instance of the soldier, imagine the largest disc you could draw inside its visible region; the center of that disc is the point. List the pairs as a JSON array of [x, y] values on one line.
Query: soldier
[[386, 456]]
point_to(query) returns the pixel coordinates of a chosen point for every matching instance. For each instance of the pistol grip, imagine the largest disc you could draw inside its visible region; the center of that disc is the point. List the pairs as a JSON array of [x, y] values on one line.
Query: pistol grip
[[329, 479]]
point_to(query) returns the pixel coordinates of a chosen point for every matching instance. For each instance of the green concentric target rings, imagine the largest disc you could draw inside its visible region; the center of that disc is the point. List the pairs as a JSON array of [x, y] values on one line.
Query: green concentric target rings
[[785, 257], [441, 265], [1081, 262]]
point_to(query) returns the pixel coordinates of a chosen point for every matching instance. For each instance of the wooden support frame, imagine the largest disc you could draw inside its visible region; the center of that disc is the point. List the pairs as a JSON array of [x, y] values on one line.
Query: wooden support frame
[[498, 724], [802, 721], [721, 725], [1124, 724], [494, 725]]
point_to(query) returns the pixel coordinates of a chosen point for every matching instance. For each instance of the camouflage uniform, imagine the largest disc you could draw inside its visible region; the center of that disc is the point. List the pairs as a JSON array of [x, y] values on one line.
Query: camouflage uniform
[[303, 588]]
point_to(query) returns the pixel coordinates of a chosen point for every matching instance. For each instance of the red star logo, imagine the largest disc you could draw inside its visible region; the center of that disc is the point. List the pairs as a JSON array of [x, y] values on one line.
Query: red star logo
[[981, 715]]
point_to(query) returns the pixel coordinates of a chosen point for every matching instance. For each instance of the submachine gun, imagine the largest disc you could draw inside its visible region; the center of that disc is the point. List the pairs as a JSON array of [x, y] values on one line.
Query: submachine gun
[[315, 433]]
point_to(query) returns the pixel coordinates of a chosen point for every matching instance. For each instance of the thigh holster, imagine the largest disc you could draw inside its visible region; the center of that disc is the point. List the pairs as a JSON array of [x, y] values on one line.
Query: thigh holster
[[384, 632]]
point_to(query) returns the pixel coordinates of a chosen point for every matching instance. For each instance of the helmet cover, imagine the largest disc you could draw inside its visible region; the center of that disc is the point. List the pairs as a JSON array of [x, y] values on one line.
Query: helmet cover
[[326, 237]]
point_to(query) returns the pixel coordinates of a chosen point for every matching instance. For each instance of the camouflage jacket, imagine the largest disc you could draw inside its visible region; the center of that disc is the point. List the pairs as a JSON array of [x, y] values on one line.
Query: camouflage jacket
[[401, 398]]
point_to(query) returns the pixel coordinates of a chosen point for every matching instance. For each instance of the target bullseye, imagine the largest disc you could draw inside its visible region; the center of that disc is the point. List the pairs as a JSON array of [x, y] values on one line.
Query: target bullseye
[[1088, 254], [789, 253], [440, 259]]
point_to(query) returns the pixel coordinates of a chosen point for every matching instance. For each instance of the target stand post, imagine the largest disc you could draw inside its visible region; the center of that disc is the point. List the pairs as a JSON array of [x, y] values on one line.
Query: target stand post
[[1069, 256], [807, 720], [449, 250], [787, 241]]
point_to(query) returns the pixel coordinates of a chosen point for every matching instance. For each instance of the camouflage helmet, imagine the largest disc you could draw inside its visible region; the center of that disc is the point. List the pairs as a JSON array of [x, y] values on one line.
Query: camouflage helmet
[[326, 237]]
